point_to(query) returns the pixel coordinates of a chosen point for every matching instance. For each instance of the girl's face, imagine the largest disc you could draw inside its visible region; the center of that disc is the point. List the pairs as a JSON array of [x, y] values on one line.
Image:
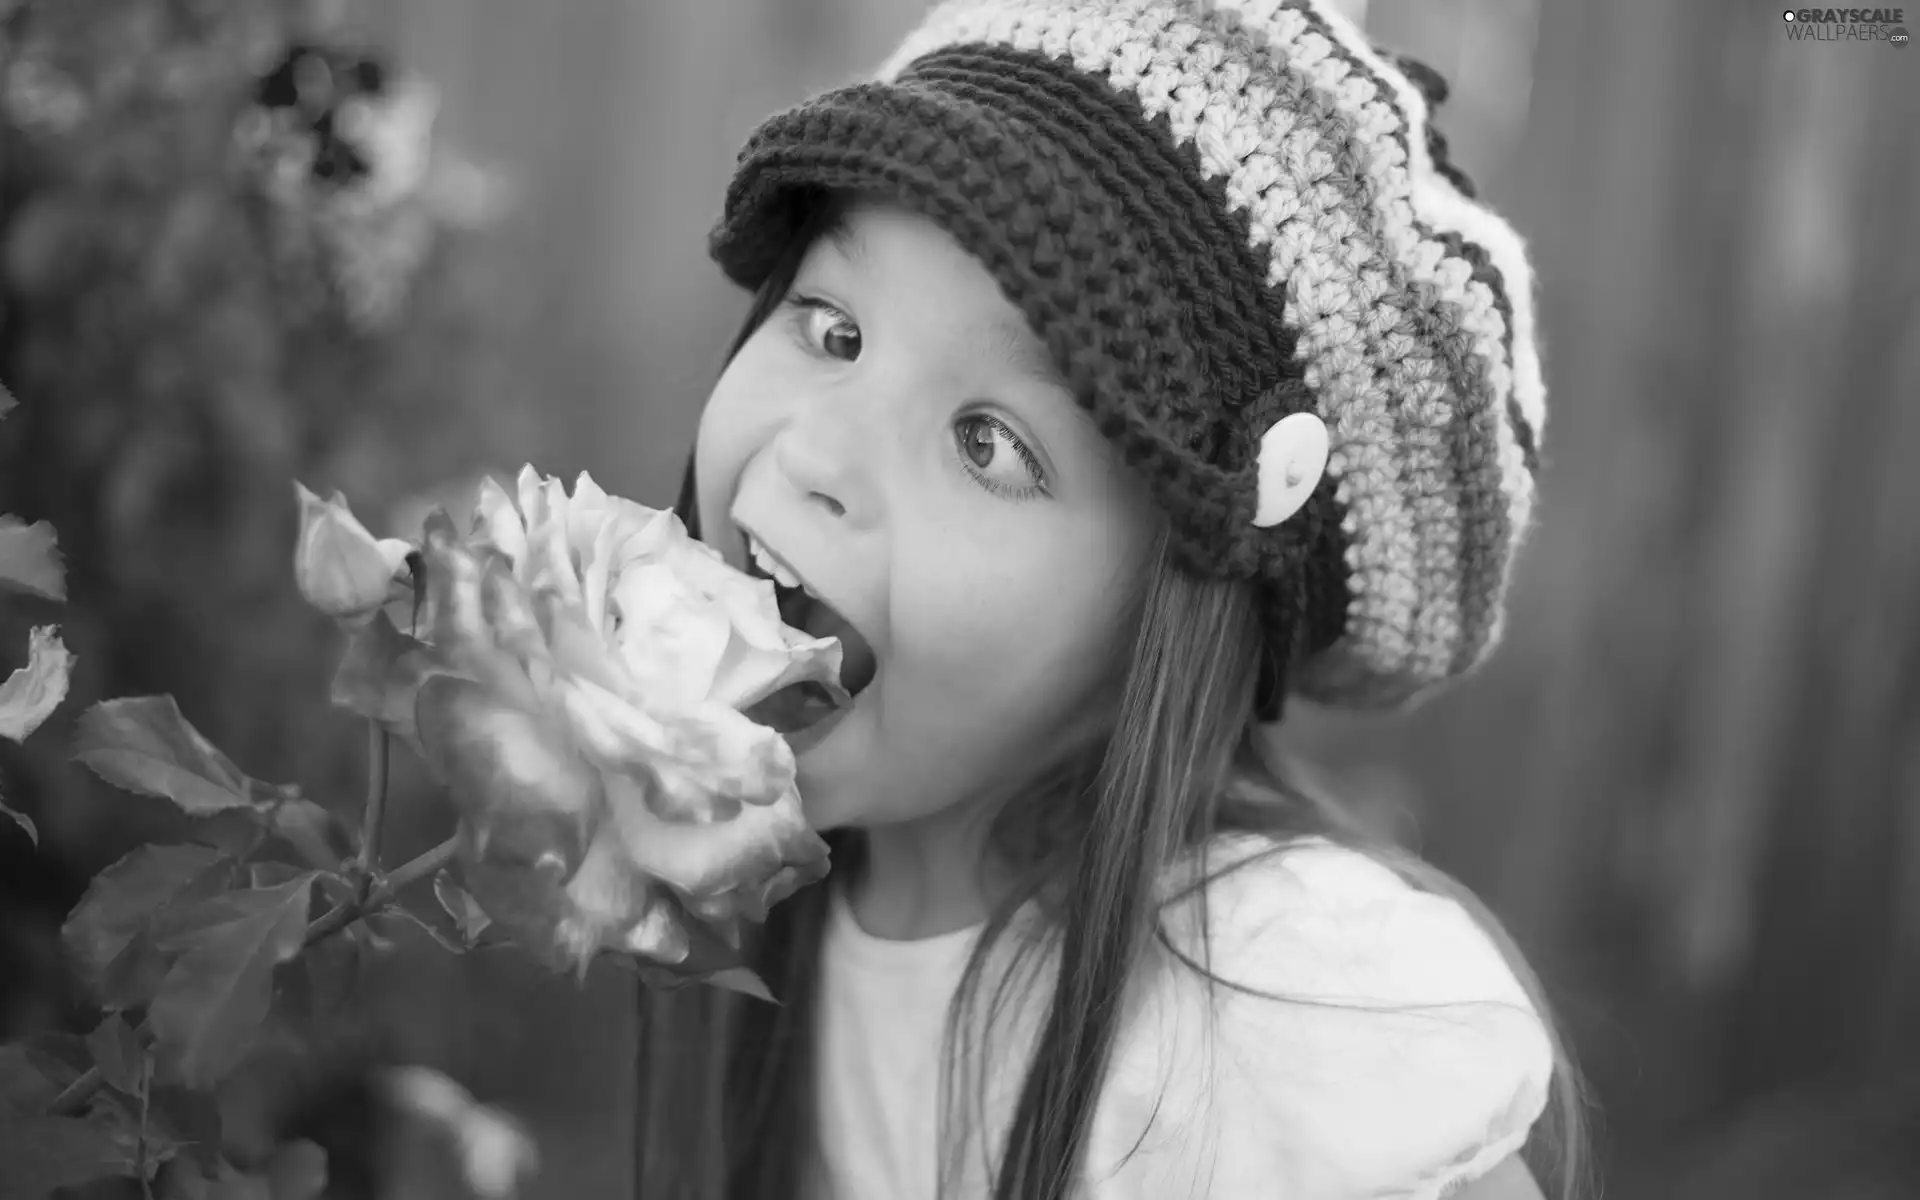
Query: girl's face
[[897, 437]]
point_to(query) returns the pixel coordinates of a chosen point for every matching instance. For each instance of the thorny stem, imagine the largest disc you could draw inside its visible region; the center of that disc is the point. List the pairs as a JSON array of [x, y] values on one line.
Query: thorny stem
[[140, 1150], [419, 868], [384, 888], [73, 1100], [376, 812]]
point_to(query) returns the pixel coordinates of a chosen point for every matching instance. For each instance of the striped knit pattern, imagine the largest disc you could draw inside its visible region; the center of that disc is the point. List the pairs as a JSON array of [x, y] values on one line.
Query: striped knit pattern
[[1217, 214]]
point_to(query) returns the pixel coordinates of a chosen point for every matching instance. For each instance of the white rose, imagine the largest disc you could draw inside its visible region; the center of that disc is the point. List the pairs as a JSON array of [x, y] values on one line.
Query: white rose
[[579, 686]]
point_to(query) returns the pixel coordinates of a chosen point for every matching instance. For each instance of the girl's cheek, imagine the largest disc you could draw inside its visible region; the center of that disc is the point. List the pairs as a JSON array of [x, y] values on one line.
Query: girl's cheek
[[718, 456], [750, 393], [741, 417]]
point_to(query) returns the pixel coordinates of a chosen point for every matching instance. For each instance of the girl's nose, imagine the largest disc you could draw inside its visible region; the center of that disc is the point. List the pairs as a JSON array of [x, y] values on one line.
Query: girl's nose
[[823, 457]]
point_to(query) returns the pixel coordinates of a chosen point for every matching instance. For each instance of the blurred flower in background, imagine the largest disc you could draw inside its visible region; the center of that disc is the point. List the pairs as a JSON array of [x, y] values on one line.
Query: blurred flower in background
[[343, 151], [493, 1151], [189, 323]]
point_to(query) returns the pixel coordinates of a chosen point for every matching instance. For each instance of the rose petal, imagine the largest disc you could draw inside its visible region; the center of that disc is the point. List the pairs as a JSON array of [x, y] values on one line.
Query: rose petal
[[527, 902], [704, 859], [30, 694], [596, 569], [754, 670], [589, 510], [567, 922], [497, 522], [614, 906], [670, 639], [659, 934], [509, 616], [578, 649], [549, 561], [762, 653], [607, 906], [519, 782], [716, 763], [695, 764], [708, 949], [530, 495], [627, 538], [459, 627]]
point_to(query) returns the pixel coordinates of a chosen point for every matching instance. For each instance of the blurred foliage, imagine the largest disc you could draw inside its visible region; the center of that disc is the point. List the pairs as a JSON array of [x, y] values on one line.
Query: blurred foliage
[[231, 255], [187, 333]]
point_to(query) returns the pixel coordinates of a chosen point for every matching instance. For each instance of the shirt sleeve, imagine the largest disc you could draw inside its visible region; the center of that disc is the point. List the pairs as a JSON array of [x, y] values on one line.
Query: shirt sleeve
[[1390, 1051]]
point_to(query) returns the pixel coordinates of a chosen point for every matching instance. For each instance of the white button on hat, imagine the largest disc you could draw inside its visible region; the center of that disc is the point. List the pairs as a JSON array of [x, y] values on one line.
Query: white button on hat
[[1293, 457]]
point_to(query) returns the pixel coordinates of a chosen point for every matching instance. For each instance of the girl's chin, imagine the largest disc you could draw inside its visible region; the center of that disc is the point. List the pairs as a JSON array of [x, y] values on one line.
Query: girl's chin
[[814, 778], [822, 815], [828, 757], [833, 795]]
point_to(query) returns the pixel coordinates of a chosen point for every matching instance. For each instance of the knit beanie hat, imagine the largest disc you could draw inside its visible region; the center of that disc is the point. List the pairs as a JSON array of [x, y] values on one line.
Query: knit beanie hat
[[1215, 215]]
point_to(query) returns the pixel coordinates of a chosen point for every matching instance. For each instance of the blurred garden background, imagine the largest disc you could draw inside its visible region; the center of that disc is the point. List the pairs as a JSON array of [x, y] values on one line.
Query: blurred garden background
[[1691, 784]]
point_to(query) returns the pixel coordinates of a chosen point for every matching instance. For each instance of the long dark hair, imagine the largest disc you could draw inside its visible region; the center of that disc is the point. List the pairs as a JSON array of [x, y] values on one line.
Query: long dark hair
[[725, 1082]]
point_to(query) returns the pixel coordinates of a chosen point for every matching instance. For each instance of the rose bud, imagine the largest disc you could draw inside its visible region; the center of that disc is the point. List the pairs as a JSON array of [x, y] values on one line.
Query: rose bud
[[341, 569]]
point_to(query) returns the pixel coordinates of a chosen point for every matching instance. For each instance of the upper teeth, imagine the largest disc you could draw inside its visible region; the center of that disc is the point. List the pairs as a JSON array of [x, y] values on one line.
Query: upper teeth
[[770, 564]]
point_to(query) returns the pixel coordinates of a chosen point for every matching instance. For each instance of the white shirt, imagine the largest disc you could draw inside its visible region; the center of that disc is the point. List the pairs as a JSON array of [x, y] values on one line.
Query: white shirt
[[1421, 1066]]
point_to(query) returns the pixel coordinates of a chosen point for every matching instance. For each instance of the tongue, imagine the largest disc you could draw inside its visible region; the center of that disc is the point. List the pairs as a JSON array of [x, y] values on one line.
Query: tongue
[[794, 708]]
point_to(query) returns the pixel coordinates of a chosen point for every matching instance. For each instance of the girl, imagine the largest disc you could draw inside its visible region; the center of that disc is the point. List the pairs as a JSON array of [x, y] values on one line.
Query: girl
[[1114, 371]]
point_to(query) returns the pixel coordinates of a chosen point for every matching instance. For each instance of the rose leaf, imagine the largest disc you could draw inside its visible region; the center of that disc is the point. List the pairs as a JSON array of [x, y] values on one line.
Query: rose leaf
[[30, 694], [30, 559], [462, 907], [118, 1053], [123, 900], [144, 744], [44, 1153], [216, 995]]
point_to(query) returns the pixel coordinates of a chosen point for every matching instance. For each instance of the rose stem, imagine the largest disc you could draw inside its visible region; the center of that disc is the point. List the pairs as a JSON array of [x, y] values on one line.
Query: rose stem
[[341, 916], [73, 1100], [376, 814]]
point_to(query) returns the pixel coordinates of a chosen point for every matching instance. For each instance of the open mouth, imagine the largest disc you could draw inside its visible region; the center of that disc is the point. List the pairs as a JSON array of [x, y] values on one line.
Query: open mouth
[[803, 610]]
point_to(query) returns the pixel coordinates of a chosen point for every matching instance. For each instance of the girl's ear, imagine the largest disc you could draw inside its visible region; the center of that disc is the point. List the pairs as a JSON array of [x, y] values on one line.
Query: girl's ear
[[687, 508]]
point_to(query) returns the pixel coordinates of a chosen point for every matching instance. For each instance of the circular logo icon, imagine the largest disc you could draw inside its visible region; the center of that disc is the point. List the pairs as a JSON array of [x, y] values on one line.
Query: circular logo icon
[[1898, 35], [1788, 15]]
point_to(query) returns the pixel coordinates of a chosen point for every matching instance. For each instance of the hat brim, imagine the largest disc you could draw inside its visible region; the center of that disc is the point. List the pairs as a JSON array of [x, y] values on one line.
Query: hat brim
[[918, 147]]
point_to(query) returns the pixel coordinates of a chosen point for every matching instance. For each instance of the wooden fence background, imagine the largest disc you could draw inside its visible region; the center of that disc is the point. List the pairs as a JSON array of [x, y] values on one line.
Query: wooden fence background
[[1692, 783]]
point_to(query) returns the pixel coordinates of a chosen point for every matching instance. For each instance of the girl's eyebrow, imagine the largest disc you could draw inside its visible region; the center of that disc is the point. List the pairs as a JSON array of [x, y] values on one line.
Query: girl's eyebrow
[[1014, 344], [843, 237]]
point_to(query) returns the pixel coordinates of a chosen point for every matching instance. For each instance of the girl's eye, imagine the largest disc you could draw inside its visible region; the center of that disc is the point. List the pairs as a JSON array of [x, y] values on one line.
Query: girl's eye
[[996, 457], [826, 330]]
